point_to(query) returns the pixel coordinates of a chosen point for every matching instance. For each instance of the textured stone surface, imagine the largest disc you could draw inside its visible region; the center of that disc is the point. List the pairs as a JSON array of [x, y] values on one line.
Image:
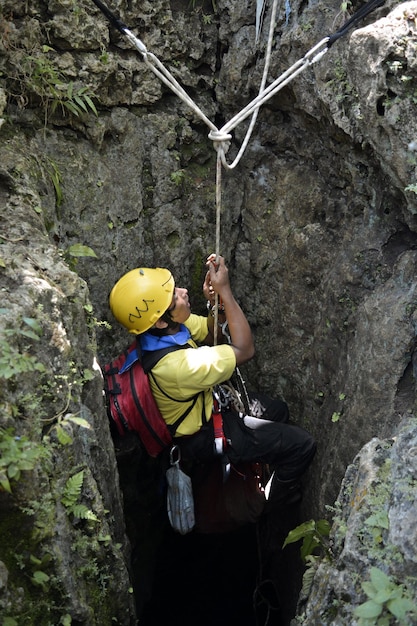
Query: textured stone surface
[[86, 562], [375, 526], [372, 96], [318, 223]]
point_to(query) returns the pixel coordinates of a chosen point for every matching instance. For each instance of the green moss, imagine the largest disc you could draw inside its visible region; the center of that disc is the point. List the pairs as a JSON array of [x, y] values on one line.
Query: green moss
[[34, 591], [92, 572], [173, 240]]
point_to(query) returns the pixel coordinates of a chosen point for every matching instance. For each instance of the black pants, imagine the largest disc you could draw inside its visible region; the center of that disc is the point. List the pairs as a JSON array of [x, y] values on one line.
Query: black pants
[[287, 448]]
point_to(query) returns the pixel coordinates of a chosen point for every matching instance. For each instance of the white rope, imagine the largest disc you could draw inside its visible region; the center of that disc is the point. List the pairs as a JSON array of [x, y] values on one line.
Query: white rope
[[217, 250], [312, 56], [166, 77], [262, 87], [221, 137]]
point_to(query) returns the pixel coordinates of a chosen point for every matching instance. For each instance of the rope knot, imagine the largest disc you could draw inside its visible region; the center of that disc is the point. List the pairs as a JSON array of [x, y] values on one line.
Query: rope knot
[[221, 140]]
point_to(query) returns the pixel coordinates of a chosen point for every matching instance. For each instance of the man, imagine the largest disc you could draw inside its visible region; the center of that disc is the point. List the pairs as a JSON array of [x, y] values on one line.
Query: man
[[147, 302]]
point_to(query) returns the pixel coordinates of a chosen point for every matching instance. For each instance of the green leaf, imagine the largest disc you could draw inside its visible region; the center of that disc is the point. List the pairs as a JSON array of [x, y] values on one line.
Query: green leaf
[[9, 621], [63, 437], [309, 544], [79, 250], [91, 104], [369, 589], [383, 595], [35, 560], [88, 375], [323, 527], [34, 324], [13, 471], [368, 610], [80, 102], [26, 465], [399, 607], [72, 489], [308, 578], [379, 579], [29, 333], [4, 483], [40, 578], [378, 520], [299, 532], [80, 421], [71, 107], [83, 512]]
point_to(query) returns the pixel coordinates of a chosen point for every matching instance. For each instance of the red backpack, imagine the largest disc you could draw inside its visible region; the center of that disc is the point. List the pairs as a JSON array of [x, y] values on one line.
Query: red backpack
[[130, 403]]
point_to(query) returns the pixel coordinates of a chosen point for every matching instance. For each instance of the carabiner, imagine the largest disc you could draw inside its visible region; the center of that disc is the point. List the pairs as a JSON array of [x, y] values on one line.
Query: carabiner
[[175, 450]]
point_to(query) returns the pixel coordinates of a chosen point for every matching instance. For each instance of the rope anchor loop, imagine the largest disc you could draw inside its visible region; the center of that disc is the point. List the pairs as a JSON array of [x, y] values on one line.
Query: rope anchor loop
[[221, 140]]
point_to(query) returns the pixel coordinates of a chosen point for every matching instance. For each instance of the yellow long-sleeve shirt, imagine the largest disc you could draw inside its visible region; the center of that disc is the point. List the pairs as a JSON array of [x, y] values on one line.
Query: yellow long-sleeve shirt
[[184, 373]]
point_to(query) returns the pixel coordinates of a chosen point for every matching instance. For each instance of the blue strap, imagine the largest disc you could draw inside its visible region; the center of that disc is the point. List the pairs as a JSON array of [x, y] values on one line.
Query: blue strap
[[150, 342], [131, 359]]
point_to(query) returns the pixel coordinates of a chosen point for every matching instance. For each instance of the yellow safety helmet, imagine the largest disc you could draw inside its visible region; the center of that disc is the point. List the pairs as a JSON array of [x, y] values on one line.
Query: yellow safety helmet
[[141, 297]]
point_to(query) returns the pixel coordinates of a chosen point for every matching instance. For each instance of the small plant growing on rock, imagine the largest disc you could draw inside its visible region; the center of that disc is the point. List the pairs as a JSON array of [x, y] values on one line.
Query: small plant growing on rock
[[76, 251], [17, 454], [314, 535], [12, 361], [315, 546], [34, 76], [44, 79], [71, 495], [386, 601]]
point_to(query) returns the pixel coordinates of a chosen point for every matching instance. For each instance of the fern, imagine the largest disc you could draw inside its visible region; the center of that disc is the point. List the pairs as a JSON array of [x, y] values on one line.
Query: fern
[[72, 490], [83, 512], [70, 497]]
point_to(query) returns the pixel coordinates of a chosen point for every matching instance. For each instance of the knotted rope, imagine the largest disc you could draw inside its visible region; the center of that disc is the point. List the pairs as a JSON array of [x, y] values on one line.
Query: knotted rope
[[221, 137]]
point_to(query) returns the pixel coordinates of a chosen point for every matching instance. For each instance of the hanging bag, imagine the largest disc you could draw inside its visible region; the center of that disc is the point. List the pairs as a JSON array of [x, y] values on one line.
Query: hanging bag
[[180, 501]]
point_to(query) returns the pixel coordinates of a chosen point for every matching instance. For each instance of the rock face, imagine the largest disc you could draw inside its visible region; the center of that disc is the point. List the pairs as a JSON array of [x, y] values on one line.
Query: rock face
[[374, 531], [319, 229], [60, 541]]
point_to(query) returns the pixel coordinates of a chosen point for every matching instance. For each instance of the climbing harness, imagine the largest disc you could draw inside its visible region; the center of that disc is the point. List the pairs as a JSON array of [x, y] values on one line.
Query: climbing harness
[[221, 137], [234, 393]]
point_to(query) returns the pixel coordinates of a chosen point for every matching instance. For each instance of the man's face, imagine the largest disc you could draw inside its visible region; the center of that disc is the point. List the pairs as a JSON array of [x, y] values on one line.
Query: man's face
[[180, 308]]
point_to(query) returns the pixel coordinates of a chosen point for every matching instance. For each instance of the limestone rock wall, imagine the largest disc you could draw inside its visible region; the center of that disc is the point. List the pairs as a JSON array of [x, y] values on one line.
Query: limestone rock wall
[[64, 551], [372, 541], [318, 224]]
